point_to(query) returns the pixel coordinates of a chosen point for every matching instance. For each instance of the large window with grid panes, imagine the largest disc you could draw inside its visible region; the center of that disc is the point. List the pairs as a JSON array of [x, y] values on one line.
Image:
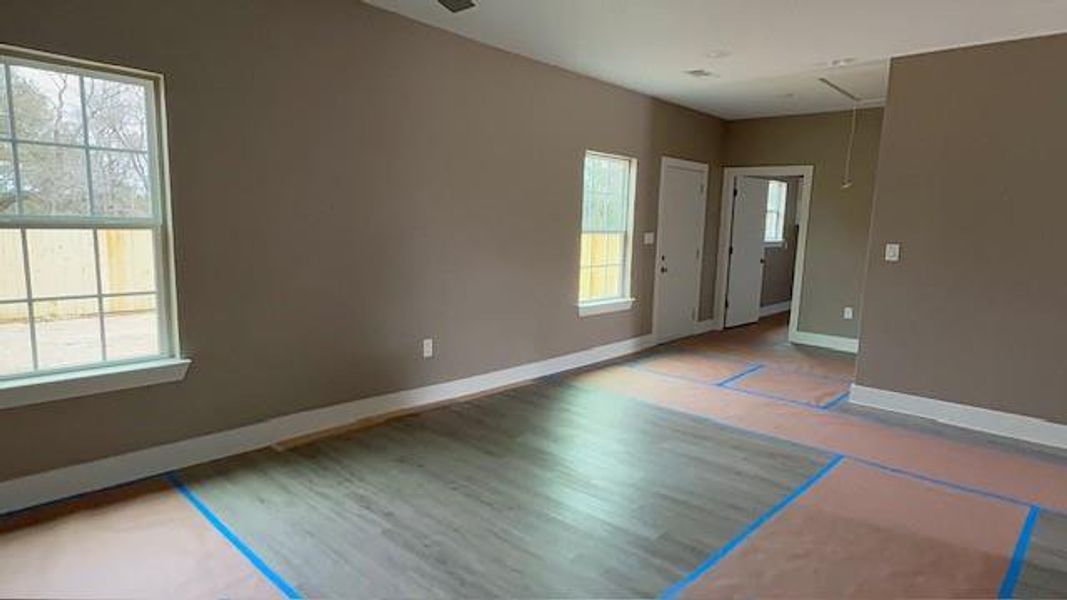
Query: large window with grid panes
[[84, 238]]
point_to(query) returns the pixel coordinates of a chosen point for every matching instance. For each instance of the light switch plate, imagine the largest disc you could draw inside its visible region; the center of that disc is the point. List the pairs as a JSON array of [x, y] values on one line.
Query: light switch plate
[[427, 348], [892, 252], [650, 238]]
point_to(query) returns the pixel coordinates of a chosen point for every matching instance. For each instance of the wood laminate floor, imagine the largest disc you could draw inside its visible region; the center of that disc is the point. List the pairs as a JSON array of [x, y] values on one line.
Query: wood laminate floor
[[544, 491], [728, 464]]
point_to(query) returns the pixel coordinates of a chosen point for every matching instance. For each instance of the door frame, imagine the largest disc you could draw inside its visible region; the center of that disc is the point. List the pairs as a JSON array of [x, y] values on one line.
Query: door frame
[[704, 170], [729, 177]]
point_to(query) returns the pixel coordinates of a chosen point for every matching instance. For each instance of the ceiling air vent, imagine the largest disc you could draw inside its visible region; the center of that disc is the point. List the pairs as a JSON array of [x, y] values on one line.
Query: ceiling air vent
[[457, 5]]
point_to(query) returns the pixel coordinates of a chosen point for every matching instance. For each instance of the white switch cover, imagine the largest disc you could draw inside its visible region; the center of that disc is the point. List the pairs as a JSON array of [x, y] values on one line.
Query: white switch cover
[[427, 348], [892, 252], [650, 238], [848, 313]]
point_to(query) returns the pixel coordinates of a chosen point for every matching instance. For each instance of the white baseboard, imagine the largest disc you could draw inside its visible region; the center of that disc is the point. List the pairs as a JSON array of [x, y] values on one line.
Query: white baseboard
[[1020, 427], [64, 482], [833, 342], [774, 309]]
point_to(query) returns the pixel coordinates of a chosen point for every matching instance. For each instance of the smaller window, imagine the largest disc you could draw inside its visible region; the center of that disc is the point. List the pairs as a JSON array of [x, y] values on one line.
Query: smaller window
[[607, 233], [774, 231]]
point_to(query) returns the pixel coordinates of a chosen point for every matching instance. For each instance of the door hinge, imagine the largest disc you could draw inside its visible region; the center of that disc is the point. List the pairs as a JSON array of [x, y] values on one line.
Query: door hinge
[[731, 250]]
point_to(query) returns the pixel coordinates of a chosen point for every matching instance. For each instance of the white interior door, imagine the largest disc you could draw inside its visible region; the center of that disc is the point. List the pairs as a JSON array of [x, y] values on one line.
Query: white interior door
[[745, 281], [683, 196]]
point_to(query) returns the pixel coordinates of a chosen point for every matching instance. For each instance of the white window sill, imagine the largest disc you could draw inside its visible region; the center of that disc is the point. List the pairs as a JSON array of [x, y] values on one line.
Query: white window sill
[[601, 308], [35, 389]]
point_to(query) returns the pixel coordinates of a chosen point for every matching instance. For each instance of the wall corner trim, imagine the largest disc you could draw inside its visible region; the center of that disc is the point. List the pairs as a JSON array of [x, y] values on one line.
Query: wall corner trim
[[1020, 427], [38, 488]]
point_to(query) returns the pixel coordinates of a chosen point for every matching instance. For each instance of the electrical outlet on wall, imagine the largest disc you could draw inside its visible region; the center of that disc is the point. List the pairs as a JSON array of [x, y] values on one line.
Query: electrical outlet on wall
[[427, 348], [650, 238], [848, 313]]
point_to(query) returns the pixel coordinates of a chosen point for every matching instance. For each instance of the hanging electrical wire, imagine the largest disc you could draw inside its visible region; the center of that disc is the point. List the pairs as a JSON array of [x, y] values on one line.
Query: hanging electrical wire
[[846, 181]]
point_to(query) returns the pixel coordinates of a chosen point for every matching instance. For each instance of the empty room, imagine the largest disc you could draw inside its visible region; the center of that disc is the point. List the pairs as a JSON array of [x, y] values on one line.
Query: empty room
[[533, 299]]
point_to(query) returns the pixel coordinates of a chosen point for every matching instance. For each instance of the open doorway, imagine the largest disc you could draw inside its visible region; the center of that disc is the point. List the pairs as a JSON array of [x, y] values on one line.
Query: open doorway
[[763, 226]]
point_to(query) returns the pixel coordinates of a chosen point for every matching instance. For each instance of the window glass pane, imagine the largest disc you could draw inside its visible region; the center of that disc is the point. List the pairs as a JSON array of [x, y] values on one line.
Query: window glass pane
[[68, 332], [5, 119], [12, 276], [127, 260], [131, 325], [8, 199], [53, 180], [120, 184], [613, 281], [585, 284], [61, 262], [16, 354], [596, 283], [606, 194], [47, 105], [117, 114]]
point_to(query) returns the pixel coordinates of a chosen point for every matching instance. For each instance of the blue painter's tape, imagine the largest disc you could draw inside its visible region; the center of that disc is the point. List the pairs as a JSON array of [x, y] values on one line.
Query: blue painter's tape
[[740, 375], [871, 463], [833, 403], [673, 591], [767, 396], [1011, 577], [216, 522]]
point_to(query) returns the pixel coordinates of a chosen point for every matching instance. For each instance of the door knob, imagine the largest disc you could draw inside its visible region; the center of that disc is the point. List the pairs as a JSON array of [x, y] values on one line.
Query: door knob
[[663, 269]]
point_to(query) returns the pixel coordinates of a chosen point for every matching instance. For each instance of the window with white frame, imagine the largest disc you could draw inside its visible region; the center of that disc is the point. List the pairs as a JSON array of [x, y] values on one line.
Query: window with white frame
[[607, 230], [774, 230], [83, 233]]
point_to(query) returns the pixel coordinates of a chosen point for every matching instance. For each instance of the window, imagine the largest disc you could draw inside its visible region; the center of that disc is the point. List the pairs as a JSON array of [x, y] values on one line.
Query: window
[[84, 260], [774, 230], [607, 230]]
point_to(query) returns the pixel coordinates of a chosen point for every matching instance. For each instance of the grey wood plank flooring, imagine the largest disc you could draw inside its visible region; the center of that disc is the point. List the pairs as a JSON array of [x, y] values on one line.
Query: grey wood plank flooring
[[1044, 574], [546, 491]]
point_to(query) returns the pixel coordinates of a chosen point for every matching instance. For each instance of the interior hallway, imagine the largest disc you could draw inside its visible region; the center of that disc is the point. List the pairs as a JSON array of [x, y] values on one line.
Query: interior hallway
[[681, 471]]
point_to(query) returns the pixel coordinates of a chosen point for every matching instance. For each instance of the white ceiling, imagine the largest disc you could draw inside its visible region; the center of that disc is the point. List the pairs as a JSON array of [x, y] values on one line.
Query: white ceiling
[[775, 49]]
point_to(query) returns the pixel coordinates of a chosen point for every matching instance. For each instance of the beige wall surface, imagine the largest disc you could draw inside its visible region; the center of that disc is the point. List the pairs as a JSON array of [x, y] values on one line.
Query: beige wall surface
[[778, 270], [347, 182], [839, 218], [970, 184]]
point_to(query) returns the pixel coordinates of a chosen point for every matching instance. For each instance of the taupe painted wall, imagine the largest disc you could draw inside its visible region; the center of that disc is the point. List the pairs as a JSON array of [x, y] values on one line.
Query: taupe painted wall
[[971, 184], [781, 260], [837, 243], [345, 183]]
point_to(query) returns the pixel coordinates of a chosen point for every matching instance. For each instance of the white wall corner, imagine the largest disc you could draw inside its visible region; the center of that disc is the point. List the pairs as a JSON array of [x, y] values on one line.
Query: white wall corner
[[774, 309], [821, 340], [1020, 427], [707, 325]]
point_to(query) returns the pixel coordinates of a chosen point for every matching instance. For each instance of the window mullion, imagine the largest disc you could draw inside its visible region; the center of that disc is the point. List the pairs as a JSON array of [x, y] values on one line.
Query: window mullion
[[92, 211], [99, 294], [29, 298], [14, 145]]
